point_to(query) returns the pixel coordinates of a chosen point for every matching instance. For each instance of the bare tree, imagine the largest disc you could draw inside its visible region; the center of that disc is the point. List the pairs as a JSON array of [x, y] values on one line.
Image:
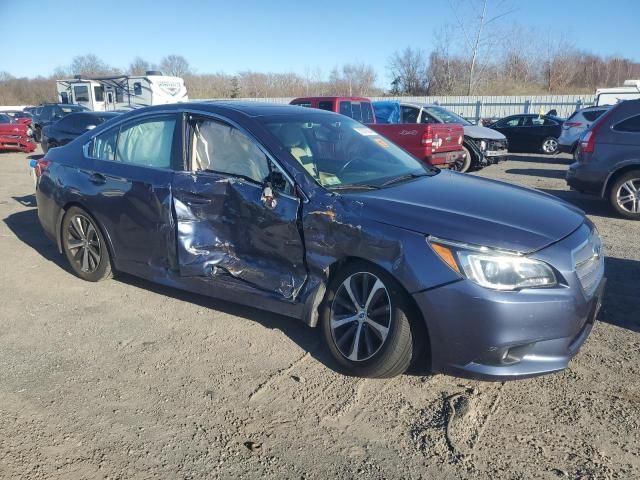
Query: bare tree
[[90, 65], [408, 69], [175, 65], [139, 66], [473, 21]]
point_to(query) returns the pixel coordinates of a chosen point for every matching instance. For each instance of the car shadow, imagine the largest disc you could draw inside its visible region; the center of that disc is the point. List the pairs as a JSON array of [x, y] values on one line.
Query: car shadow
[[27, 200], [537, 172], [591, 204], [621, 302], [548, 159], [26, 227]]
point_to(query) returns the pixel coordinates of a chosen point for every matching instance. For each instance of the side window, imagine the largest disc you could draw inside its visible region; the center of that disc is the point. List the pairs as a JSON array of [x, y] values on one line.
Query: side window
[[410, 115], [629, 125], [221, 148], [345, 109], [326, 105], [98, 93], [103, 146], [302, 104], [549, 123], [137, 88], [511, 122], [147, 143], [81, 92], [367, 113], [426, 118], [356, 111]]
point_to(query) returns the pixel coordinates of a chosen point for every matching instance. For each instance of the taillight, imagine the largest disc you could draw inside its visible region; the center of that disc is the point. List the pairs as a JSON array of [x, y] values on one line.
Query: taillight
[[41, 166], [588, 140], [460, 140], [427, 136]]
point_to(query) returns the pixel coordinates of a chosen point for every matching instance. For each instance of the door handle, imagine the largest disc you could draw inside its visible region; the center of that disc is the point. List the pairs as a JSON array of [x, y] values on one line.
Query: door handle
[[97, 179]]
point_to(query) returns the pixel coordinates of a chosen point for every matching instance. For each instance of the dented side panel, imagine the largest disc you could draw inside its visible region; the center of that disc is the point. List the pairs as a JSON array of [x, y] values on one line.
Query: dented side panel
[[223, 229]]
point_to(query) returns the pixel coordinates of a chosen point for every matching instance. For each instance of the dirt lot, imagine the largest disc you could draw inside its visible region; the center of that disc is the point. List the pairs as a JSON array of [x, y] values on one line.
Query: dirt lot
[[125, 379]]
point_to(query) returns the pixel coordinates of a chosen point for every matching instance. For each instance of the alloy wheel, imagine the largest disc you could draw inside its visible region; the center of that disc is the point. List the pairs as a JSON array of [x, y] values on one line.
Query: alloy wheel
[[628, 196], [360, 316], [550, 145], [83, 243]]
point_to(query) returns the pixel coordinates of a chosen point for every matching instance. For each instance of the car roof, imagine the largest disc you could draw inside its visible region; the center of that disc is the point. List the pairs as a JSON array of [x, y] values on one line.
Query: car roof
[[250, 109], [335, 97]]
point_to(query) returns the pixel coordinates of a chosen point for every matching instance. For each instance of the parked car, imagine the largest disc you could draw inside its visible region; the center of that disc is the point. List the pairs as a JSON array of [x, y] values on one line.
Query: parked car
[[608, 159], [481, 145], [575, 126], [313, 215], [50, 113], [15, 136], [530, 132], [72, 126], [439, 145], [25, 118]]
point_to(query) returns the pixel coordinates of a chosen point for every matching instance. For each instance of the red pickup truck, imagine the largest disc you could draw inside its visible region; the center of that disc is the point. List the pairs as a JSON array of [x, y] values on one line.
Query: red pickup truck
[[15, 136], [438, 144]]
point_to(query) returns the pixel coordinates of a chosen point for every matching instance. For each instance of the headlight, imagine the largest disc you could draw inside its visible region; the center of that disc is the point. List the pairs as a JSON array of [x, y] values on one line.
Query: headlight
[[483, 145], [495, 269]]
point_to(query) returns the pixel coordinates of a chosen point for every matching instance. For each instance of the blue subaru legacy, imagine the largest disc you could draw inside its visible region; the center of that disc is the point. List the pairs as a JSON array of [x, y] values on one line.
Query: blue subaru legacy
[[315, 216]]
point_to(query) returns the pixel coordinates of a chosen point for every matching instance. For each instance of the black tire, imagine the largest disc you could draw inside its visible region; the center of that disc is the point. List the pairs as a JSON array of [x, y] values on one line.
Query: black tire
[[405, 339], [463, 166], [81, 241], [550, 146], [621, 190]]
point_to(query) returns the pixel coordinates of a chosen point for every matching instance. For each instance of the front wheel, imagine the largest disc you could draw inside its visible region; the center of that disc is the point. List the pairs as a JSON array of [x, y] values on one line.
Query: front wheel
[[625, 195], [550, 146], [84, 246], [366, 323]]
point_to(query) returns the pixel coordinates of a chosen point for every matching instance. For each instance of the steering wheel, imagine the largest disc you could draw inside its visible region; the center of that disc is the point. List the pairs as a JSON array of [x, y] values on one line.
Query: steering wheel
[[354, 160]]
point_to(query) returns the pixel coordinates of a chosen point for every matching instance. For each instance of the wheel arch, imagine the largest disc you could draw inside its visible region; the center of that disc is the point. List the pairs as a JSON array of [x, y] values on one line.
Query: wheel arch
[[103, 231], [614, 175]]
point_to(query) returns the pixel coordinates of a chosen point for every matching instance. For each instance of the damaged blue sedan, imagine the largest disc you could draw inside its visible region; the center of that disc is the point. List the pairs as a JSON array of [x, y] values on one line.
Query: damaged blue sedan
[[315, 216]]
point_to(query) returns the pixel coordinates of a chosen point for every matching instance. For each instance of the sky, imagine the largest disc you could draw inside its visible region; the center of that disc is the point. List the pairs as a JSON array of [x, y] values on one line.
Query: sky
[[276, 35]]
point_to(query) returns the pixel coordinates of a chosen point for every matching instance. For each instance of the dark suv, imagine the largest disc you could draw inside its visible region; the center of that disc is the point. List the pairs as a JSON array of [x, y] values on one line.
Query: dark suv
[[50, 113], [608, 160]]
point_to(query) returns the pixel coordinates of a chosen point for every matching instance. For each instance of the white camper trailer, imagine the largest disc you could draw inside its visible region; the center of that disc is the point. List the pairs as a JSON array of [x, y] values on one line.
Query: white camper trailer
[[121, 92], [610, 96]]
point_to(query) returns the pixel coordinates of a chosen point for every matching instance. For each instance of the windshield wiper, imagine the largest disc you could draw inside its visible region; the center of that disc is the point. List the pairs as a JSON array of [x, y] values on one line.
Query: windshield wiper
[[354, 186], [404, 178]]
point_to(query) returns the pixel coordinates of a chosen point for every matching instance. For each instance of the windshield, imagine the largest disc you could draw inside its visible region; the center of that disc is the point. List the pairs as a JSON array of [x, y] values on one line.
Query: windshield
[[339, 152], [445, 116]]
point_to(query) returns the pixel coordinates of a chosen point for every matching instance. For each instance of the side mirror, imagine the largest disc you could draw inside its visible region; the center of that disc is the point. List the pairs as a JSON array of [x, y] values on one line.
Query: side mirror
[[277, 180]]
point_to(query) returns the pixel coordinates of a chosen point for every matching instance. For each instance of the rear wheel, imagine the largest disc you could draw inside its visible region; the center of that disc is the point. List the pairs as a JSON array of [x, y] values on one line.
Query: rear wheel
[[625, 195], [366, 323], [463, 165], [550, 145], [84, 246]]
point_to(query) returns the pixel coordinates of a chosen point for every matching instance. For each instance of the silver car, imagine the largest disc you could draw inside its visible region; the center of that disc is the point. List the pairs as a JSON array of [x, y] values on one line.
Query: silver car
[[576, 125]]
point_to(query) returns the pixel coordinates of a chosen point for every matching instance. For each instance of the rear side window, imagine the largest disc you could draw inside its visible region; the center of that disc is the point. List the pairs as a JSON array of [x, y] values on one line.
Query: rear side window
[[345, 108], [301, 104], [326, 105], [104, 145], [592, 115], [410, 114], [147, 143], [629, 125]]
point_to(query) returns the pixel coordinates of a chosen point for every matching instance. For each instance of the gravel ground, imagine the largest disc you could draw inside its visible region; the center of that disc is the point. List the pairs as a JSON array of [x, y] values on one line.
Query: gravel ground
[[126, 379]]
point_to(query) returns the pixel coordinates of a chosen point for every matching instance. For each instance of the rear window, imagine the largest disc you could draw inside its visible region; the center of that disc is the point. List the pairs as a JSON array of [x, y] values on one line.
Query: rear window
[[591, 115], [629, 125], [326, 105], [362, 112]]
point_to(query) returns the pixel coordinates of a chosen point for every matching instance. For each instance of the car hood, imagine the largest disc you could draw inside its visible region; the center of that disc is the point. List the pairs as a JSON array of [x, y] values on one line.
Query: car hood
[[480, 132], [474, 210]]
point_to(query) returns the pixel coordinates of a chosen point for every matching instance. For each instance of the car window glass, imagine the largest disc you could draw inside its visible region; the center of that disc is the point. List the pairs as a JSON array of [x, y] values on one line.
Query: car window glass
[[629, 125], [147, 143], [426, 118], [326, 105], [549, 122], [81, 93], [221, 148], [302, 104], [103, 146], [410, 114], [510, 122], [534, 121], [592, 115], [345, 108], [367, 113], [356, 111]]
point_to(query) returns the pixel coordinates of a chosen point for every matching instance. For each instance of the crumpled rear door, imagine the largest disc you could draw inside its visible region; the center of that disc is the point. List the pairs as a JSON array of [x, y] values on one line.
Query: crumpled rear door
[[224, 229]]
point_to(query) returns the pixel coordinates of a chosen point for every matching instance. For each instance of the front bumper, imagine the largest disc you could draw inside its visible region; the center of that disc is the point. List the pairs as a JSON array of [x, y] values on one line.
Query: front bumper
[[13, 143], [491, 335]]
